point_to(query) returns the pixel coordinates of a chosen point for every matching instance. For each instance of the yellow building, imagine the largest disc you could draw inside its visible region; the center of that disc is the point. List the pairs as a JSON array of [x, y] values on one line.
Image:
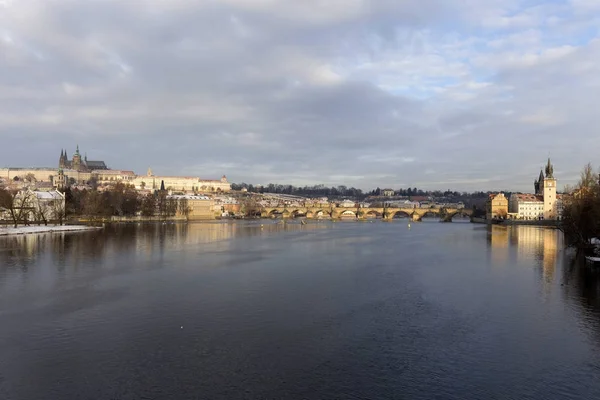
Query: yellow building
[[496, 206], [194, 207]]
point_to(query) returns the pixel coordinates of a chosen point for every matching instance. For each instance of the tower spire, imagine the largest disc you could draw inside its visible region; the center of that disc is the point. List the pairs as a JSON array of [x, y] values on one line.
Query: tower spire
[[549, 170]]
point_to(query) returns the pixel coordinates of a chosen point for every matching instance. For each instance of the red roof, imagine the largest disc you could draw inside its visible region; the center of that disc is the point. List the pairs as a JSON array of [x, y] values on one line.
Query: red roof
[[529, 197]]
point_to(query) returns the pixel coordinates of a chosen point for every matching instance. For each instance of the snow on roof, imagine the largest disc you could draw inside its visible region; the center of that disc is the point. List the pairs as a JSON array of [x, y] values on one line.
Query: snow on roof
[[47, 195], [188, 197]]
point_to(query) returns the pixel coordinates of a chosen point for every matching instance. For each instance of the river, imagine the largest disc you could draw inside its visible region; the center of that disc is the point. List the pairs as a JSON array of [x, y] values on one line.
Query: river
[[258, 310]]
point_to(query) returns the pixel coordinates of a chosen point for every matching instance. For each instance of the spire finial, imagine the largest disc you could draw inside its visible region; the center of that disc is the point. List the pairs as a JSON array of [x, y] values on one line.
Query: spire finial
[[549, 169]]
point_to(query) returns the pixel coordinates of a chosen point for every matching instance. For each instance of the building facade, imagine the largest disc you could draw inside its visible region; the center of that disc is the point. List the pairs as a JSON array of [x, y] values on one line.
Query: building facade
[[496, 206], [195, 207], [80, 171], [183, 184], [545, 203]]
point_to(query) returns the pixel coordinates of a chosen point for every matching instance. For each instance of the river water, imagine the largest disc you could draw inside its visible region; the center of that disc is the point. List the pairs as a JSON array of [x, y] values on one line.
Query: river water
[[345, 310]]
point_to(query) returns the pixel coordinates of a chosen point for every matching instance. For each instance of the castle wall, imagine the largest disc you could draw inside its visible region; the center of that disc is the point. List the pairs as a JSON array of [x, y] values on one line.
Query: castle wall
[[180, 183], [40, 174]]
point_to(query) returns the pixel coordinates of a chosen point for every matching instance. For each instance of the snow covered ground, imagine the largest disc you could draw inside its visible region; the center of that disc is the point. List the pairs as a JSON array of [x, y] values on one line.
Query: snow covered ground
[[21, 230]]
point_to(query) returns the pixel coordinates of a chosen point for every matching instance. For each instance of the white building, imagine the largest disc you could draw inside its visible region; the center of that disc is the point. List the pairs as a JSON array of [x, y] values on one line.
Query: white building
[[348, 204], [544, 204], [34, 206], [185, 184], [526, 206]]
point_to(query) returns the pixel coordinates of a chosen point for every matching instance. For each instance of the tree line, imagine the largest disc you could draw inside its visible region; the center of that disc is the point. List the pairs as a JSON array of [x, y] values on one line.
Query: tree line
[[304, 191], [21, 208], [352, 192], [124, 201], [581, 211]]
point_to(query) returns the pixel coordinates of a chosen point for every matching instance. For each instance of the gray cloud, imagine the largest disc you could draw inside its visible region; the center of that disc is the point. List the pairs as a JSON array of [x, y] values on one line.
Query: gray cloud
[[423, 93]]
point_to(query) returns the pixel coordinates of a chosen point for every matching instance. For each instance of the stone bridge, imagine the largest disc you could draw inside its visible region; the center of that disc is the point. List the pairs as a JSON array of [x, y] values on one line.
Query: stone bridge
[[387, 213]]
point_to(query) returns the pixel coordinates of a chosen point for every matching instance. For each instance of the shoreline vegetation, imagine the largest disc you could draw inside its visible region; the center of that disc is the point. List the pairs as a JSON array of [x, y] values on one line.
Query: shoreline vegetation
[[25, 230], [581, 213]]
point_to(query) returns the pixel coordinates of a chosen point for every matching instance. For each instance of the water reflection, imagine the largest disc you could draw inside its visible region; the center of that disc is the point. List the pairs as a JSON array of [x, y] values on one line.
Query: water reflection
[[526, 243], [138, 243], [272, 310], [544, 248]]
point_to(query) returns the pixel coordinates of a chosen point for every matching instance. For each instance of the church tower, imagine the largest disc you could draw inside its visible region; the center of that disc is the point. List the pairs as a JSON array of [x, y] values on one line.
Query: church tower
[[60, 181], [61, 160], [77, 160], [549, 193]]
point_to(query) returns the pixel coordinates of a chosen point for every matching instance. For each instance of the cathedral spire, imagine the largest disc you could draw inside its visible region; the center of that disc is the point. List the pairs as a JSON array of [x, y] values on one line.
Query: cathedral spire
[[549, 170]]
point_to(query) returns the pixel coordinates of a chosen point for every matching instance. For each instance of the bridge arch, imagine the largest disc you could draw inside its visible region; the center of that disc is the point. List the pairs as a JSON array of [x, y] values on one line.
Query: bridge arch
[[297, 212], [462, 213], [430, 212], [399, 214], [321, 213], [347, 213], [274, 213], [371, 214]]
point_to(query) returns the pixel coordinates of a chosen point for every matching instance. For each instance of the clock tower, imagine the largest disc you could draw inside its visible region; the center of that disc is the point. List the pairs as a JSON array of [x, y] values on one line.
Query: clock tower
[[549, 193]]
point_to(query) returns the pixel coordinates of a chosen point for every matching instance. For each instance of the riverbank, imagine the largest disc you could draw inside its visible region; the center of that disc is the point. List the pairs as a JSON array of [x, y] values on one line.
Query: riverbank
[[25, 230], [546, 223], [550, 223]]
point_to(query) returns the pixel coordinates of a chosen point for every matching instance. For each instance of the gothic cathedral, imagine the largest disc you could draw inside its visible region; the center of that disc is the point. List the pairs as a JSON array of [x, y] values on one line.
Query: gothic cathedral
[[79, 164]]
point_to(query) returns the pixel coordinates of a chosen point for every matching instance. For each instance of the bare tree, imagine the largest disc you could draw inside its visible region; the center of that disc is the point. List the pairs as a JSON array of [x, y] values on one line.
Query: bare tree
[[57, 207], [250, 207], [581, 212], [588, 179], [30, 178], [148, 206], [183, 207], [41, 212], [17, 203]]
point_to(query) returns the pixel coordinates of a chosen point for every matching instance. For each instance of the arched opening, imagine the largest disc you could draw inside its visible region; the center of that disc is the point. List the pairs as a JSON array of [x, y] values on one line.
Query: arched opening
[[400, 215], [347, 215], [297, 214], [430, 215], [459, 217], [275, 214], [372, 215], [321, 215]]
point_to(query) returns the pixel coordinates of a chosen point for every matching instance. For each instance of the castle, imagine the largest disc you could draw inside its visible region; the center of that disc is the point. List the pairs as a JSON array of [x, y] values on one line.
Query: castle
[[79, 164], [80, 171]]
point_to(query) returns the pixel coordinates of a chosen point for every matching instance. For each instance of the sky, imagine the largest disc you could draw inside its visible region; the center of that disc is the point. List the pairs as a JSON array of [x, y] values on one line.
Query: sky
[[435, 94]]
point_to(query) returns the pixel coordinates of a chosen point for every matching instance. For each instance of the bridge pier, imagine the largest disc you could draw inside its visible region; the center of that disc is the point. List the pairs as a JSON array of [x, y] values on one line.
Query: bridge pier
[[416, 217]]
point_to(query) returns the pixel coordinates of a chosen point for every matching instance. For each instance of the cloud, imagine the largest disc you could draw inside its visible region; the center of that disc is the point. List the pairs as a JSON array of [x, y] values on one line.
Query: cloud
[[356, 92]]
